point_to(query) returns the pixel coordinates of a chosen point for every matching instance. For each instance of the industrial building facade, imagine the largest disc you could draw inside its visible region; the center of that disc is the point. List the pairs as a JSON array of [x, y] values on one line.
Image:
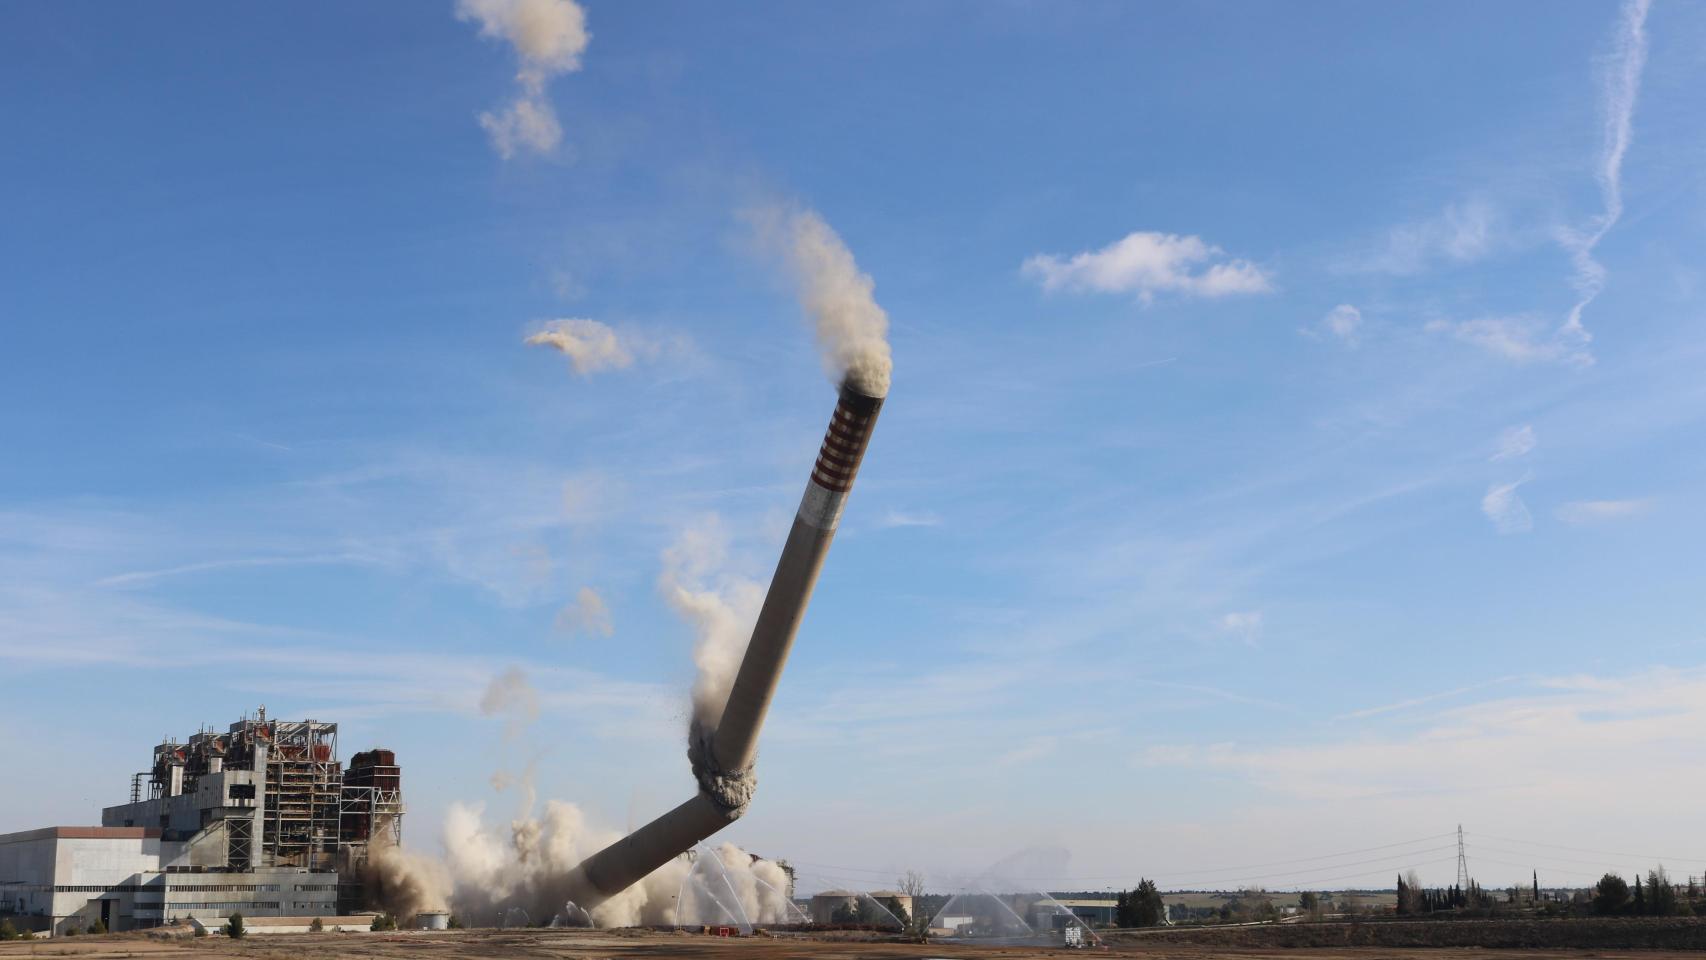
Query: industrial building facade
[[261, 820]]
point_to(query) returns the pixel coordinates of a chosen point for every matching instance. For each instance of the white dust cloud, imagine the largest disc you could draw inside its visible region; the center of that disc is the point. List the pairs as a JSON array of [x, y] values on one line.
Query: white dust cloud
[[721, 608], [590, 346], [852, 330], [548, 37], [511, 697], [588, 614]]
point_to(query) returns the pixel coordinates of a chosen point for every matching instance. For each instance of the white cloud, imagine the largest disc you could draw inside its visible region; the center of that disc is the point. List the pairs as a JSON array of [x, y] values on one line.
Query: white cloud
[[549, 37], [1517, 339], [1516, 442], [1343, 321], [895, 518], [1147, 263], [1459, 234], [1551, 750], [527, 123], [1507, 511], [1246, 625], [590, 346], [587, 614], [1599, 511]]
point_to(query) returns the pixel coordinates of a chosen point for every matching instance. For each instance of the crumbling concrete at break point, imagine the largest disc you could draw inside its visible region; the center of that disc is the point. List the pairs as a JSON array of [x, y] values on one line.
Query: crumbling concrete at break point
[[732, 790], [723, 757]]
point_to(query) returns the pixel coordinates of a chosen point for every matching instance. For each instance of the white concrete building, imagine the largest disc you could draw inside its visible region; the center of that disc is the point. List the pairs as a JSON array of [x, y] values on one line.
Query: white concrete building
[[61, 878]]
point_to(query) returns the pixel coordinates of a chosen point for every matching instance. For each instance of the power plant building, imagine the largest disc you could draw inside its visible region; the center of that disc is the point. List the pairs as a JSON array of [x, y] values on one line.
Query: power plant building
[[260, 820]]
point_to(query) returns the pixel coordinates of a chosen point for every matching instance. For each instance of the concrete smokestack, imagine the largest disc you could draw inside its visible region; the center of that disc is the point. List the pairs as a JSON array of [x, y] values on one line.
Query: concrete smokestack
[[723, 758], [734, 743]]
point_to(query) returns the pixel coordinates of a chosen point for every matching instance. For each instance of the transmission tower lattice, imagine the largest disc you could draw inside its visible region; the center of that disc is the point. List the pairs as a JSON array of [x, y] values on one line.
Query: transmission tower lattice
[[1462, 863]]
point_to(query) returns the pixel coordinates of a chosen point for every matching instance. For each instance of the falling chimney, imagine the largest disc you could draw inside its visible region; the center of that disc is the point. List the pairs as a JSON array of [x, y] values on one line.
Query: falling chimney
[[723, 757]]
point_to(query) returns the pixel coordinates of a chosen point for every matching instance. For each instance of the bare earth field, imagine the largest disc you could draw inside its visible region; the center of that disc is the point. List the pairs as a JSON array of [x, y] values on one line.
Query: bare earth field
[[600, 945]]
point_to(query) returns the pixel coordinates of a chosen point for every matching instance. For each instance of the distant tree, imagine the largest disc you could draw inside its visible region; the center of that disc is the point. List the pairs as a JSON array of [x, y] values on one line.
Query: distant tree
[[1142, 907], [315, 926], [1639, 906], [1610, 895], [858, 913], [234, 926], [455, 922], [383, 921], [1148, 909], [1410, 894], [1537, 886], [1661, 893], [1309, 903], [911, 883], [7, 931]]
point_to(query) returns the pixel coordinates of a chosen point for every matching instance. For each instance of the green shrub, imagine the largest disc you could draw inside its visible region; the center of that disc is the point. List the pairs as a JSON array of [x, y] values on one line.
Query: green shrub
[[383, 921], [27, 935], [455, 922], [234, 926], [316, 926], [97, 928], [200, 931], [7, 931], [71, 931]]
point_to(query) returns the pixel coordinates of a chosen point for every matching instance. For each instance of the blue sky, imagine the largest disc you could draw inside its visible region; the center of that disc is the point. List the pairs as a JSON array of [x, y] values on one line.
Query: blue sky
[[1245, 493]]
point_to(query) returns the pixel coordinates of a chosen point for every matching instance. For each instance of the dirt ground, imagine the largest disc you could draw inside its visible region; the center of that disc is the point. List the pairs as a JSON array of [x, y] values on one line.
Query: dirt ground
[[613, 945]]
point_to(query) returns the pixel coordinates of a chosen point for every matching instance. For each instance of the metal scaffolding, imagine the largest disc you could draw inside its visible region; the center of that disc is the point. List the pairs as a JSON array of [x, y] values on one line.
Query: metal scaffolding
[[313, 813]]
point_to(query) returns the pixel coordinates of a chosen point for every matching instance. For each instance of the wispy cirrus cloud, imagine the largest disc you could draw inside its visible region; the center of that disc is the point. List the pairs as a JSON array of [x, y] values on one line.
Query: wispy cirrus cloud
[[1515, 443], [1519, 339], [1620, 86], [1147, 263], [138, 577], [1505, 508], [923, 518], [1528, 339], [1600, 511], [1563, 738], [1246, 625], [1461, 233]]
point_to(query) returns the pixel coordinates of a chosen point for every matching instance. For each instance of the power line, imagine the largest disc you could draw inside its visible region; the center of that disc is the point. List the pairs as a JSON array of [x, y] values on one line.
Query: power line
[[1546, 856], [1203, 878], [1333, 866], [1529, 866], [1608, 853], [1209, 871], [1371, 873]]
